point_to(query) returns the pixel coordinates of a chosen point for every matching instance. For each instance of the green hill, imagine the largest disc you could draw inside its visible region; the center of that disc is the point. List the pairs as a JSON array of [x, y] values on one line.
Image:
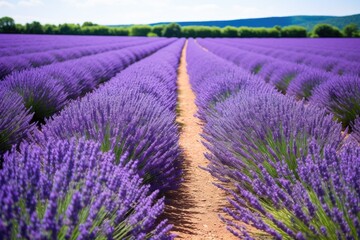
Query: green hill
[[307, 21]]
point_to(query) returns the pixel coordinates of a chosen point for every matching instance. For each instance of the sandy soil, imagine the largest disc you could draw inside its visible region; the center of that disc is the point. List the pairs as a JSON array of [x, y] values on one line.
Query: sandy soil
[[194, 208]]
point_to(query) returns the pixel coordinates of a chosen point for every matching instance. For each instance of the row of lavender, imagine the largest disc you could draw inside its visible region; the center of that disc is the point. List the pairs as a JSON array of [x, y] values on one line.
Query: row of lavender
[[288, 168], [325, 63], [20, 62], [346, 49], [14, 44], [339, 94], [32, 95], [97, 169]]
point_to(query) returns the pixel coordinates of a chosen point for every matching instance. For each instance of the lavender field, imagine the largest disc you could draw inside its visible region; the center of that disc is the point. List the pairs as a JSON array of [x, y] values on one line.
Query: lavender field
[[90, 137]]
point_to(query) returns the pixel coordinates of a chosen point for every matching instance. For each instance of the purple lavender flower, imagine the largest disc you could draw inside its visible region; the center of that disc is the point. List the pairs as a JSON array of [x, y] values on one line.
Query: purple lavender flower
[[136, 121], [41, 94], [340, 96], [356, 129], [302, 86], [65, 205], [14, 119]]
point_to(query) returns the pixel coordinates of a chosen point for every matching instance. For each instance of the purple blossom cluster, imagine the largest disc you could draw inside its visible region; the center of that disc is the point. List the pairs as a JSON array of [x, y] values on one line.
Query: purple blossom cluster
[[216, 80], [46, 90], [70, 190], [346, 49], [31, 60], [14, 120], [284, 162], [16, 44], [356, 129], [341, 97], [298, 76], [133, 113], [98, 169], [327, 63], [319, 201]]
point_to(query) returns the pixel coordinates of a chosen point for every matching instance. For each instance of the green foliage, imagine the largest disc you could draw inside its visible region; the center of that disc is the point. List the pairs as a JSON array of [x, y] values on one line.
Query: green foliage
[[89, 24], [216, 32], [95, 30], [158, 29], [151, 34], [326, 30], [7, 25], [140, 30], [293, 31], [351, 30], [230, 32], [172, 30], [188, 32], [247, 32], [19, 28], [50, 29], [34, 28], [119, 31], [69, 28]]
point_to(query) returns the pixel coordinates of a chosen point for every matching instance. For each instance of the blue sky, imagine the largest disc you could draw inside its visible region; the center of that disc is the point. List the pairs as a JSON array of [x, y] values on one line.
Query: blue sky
[[150, 11]]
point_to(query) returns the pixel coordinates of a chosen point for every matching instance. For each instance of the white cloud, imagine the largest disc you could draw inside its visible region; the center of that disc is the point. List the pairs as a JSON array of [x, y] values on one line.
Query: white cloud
[[4, 3], [29, 3]]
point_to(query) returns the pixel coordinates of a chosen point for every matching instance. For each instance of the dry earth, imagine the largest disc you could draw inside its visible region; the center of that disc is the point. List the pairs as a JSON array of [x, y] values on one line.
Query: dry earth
[[195, 206]]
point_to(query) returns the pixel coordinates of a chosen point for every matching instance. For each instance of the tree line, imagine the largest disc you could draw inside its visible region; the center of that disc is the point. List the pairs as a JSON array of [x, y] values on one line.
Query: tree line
[[8, 25]]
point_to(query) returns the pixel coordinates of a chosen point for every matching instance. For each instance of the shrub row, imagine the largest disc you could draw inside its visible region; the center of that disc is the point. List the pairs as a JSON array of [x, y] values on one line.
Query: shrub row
[[46, 90], [286, 166], [32, 60], [339, 94], [95, 170]]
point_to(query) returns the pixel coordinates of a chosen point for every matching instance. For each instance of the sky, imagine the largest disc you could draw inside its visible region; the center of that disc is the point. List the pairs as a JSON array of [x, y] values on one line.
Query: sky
[[108, 12]]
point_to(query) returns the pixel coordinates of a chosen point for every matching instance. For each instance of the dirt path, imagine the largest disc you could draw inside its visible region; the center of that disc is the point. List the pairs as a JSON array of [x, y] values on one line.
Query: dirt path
[[195, 206]]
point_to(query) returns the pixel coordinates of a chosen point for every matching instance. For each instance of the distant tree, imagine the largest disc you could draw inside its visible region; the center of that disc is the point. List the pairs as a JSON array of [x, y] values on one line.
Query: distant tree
[[151, 34], [293, 32], [88, 24], [100, 30], [50, 29], [230, 32], [7, 25], [188, 32], [216, 32], [350, 30], [19, 28], [278, 28], [171, 30], [246, 32], [69, 29], [272, 33], [119, 31], [34, 28], [157, 29], [139, 30], [326, 30], [203, 32]]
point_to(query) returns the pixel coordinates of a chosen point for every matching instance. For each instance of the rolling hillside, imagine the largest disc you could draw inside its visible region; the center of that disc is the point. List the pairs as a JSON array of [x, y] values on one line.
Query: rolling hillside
[[306, 21]]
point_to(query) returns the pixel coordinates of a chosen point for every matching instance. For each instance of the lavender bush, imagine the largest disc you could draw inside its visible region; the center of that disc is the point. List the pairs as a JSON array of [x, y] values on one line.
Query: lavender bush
[[340, 96], [125, 123], [14, 119], [70, 190], [282, 161], [131, 114], [249, 128], [321, 201], [41, 95], [302, 86], [356, 129]]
